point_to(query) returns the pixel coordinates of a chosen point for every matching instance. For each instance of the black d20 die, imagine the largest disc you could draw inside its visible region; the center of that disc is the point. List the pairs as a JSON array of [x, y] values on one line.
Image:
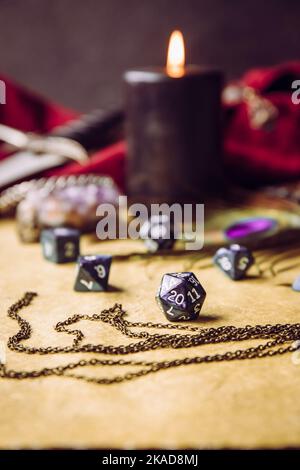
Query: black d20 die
[[158, 233], [234, 261], [93, 272], [180, 296], [61, 244]]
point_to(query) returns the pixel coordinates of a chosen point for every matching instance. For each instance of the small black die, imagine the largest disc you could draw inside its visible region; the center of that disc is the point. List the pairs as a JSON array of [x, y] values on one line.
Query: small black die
[[93, 272], [180, 296], [158, 233], [61, 244], [234, 261]]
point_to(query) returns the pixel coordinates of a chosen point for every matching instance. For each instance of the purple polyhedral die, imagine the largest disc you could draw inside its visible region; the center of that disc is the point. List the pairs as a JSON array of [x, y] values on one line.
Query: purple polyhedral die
[[234, 261], [158, 233], [93, 273], [180, 296], [60, 244]]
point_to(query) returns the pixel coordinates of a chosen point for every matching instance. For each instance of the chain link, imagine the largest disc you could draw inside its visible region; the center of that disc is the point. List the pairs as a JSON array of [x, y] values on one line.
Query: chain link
[[277, 336]]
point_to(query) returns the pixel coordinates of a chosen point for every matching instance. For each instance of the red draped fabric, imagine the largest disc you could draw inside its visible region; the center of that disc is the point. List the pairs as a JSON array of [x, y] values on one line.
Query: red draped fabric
[[250, 155], [262, 155]]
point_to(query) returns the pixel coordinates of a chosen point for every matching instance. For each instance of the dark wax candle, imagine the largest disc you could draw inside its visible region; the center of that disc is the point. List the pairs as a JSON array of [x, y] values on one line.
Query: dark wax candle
[[173, 131]]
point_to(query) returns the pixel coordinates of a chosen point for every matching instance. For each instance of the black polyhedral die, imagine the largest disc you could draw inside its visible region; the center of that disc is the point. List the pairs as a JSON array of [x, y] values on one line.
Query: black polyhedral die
[[61, 244], [180, 296], [93, 272], [158, 233], [234, 261]]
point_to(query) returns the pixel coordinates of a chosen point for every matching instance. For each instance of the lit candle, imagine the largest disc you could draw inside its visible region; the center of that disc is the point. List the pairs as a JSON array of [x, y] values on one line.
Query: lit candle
[[173, 130], [176, 55]]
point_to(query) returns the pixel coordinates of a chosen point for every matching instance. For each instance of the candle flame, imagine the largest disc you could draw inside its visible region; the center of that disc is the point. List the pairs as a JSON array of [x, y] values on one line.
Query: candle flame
[[176, 55]]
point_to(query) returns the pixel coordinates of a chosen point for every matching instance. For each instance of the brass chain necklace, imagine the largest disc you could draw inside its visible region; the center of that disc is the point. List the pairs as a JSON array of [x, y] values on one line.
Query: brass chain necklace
[[280, 338]]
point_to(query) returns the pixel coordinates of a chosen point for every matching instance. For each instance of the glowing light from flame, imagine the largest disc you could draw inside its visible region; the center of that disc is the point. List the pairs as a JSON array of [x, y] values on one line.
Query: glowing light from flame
[[176, 55]]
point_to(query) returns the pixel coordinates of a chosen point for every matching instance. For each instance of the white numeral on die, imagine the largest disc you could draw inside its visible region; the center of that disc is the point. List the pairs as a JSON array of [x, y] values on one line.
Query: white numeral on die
[[243, 263], [197, 308], [197, 295], [177, 298], [69, 250], [225, 263], [48, 249], [101, 271], [87, 284], [170, 311]]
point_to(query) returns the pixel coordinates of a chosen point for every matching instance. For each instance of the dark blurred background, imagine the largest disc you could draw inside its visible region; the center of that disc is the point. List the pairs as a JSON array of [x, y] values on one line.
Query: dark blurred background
[[75, 51]]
